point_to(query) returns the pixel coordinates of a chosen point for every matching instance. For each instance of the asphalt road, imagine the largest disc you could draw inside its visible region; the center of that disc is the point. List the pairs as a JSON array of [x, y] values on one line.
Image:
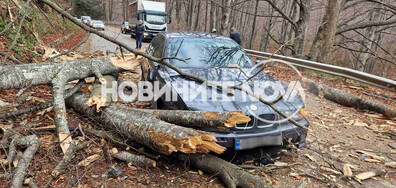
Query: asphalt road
[[96, 43]]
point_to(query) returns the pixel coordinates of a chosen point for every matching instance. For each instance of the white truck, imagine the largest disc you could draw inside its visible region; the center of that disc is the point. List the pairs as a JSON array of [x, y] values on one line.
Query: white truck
[[153, 15]]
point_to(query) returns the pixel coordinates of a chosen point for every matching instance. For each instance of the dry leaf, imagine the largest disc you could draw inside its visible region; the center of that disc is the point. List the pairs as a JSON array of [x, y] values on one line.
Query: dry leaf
[[89, 160], [347, 170]]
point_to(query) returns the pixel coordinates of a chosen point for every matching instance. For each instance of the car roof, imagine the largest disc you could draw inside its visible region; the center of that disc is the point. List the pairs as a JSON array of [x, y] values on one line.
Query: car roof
[[189, 34]]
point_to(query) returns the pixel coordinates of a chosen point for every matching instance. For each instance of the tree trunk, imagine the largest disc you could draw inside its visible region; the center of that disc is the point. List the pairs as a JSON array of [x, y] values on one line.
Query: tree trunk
[[301, 27], [206, 16], [212, 16], [197, 19], [226, 18], [323, 43], [253, 36], [368, 41], [265, 38], [191, 16]]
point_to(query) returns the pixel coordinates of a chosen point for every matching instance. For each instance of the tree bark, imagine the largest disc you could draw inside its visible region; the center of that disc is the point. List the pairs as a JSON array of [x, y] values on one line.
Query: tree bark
[[196, 119], [350, 100], [146, 129], [253, 36], [301, 27], [368, 41], [226, 18], [323, 43], [32, 143], [230, 174], [212, 16], [21, 76], [136, 160], [197, 19]]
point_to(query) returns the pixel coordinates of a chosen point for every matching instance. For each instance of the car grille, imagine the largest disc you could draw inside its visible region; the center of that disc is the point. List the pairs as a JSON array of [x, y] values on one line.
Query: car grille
[[257, 122], [266, 121]]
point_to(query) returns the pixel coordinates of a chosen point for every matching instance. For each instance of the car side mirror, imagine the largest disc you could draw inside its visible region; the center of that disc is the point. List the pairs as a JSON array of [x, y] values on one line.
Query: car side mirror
[[150, 75], [169, 19]]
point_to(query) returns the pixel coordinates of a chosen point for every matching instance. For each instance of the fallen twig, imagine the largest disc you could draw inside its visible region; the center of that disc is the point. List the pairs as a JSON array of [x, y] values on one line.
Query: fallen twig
[[71, 151], [32, 143]]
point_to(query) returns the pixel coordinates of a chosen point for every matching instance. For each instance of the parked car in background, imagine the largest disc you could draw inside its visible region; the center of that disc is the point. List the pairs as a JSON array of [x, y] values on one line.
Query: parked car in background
[[97, 24], [125, 28], [221, 59], [85, 19]]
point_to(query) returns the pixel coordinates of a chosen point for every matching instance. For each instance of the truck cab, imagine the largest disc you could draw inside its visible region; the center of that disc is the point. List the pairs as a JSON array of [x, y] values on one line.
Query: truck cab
[[153, 15]]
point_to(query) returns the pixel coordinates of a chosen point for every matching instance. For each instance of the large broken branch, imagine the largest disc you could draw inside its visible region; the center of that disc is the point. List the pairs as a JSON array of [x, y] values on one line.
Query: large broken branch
[[21, 76], [197, 119], [350, 100], [230, 174], [146, 129]]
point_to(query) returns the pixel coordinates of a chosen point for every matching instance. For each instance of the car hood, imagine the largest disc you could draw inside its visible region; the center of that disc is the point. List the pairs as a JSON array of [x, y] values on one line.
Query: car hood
[[226, 76]]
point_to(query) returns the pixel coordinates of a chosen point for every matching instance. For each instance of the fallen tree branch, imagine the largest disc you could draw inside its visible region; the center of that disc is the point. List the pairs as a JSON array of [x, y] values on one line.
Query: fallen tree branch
[[13, 59], [115, 139], [146, 129], [230, 174], [20, 76], [71, 151], [136, 160], [32, 143], [350, 100], [222, 120]]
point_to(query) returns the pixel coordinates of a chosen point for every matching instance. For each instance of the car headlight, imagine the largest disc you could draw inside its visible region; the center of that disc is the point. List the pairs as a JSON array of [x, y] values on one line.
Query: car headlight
[[145, 34], [296, 115]]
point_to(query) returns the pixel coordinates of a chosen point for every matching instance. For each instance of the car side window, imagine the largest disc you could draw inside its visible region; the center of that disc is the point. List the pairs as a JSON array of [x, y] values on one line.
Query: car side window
[[157, 46]]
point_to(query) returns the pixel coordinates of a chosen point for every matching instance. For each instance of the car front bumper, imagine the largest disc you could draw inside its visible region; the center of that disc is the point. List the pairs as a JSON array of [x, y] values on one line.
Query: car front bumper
[[261, 138]]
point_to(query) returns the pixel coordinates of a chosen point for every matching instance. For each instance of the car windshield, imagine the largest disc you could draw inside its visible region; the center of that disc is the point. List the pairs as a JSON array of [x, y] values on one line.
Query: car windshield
[[155, 19], [126, 23], [208, 53]]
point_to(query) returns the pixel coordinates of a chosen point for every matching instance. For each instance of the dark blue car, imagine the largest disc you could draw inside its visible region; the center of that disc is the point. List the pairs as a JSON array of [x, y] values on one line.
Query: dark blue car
[[220, 59]]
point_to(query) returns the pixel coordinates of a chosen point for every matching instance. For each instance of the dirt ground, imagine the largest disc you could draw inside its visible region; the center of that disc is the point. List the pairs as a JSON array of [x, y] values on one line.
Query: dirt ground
[[338, 135]]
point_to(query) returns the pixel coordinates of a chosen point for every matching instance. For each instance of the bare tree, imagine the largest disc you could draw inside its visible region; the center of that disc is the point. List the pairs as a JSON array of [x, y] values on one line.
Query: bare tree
[[324, 40]]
